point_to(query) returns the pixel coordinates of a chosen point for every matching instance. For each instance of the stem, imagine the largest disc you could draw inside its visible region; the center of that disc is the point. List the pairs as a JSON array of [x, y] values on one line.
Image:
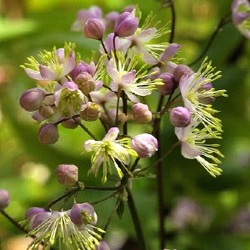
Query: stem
[[136, 221], [125, 111], [85, 129], [77, 189], [111, 216], [225, 20], [105, 198], [104, 48], [173, 21], [14, 222], [159, 176]]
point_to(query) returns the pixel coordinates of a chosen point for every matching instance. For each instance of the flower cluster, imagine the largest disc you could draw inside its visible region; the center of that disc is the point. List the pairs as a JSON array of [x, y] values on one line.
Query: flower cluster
[[114, 90], [72, 229], [129, 68]]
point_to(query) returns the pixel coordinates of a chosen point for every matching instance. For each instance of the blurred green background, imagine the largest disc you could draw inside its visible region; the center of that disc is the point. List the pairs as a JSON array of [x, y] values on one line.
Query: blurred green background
[[201, 212]]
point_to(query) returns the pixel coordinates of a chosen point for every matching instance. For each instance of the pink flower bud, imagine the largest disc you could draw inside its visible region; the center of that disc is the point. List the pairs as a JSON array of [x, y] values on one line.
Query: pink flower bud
[[46, 111], [39, 218], [48, 134], [67, 175], [145, 145], [33, 211], [182, 70], [180, 117], [126, 24], [71, 123], [94, 28], [85, 83], [32, 99], [169, 84], [4, 199], [141, 113], [83, 67], [83, 213], [91, 111]]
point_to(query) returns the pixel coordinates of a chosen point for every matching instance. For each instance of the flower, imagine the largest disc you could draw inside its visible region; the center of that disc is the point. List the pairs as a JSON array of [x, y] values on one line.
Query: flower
[[241, 16], [69, 99], [109, 151], [194, 146], [193, 92], [54, 65], [57, 227], [126, 78]]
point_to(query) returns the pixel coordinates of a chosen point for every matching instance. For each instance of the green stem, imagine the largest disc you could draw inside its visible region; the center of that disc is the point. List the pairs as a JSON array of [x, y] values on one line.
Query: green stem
[[85, 129], [136, 221], [225, 20]]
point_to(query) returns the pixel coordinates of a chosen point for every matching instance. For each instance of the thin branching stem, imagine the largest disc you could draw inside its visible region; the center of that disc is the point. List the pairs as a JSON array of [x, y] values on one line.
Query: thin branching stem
[[136, 221], [223, 21]]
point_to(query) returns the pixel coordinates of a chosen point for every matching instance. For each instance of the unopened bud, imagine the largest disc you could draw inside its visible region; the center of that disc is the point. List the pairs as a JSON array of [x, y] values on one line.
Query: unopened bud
[[85, 83], [4, 199], [39, 218], [46, 111], [145, 145], [67, 175], [169, 84], [48, 134], [94, 28], [33, 211], [141, 113], [126, 24], [83, 213], [71, 123], [182, 70], [91, 112], [180, 117], [32, 99]]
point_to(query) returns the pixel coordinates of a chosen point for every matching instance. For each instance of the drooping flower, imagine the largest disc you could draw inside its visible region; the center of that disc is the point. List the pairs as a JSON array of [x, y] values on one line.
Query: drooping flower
[[54, 65], [125, 77], [241, 16], [193, 92], [110, 152], [194, 146], [57, 227]]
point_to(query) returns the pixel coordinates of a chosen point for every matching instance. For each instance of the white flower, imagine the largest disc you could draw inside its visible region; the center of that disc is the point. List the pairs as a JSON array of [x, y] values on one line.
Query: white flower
[[194, 146], [193, 92], [108, 152], [59, 228], [125, 77], [54, 65]]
